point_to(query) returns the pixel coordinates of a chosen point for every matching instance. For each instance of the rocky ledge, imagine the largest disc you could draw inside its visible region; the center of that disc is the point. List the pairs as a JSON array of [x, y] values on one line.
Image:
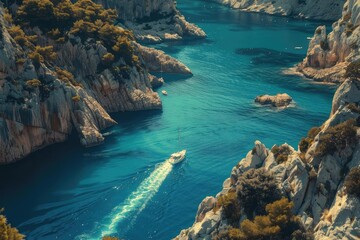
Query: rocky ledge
[[318, 179], [311, 9], [328, 55], [154, 21], [279, 100]]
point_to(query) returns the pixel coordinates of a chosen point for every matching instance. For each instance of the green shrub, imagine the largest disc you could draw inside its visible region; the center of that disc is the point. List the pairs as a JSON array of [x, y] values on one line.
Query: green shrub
[[353, 70], [108, 58], [306, 142], [281, 153], [231, 206], [42, 54], [337, 138], [255, 189], [34, 83], [352, 182], [278, 223], [7, 232]]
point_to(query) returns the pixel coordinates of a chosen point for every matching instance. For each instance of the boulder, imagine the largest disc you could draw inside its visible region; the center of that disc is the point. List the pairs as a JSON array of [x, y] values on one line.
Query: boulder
[[279, 100]]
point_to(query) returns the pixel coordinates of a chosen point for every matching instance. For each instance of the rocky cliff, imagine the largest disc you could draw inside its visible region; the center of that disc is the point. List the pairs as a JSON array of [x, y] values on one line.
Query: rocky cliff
[[154, 21], [311, 9], [69, 80], [312, 178], [330, 53]]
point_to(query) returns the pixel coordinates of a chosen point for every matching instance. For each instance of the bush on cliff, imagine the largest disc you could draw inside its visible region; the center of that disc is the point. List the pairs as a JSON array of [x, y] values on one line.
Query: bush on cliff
[[278, 223], [255, 189], [84, 18], [353, 70], [336, 138], [7, 232], [352, 182], [281, 153], [306, 142], [231, 206]]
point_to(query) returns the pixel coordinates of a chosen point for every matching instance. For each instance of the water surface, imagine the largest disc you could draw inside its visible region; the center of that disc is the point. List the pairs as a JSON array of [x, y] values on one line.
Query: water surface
[[65, 191]]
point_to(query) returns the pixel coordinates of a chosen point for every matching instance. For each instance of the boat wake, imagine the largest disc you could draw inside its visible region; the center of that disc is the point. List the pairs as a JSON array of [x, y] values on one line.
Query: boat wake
[[136, 202]]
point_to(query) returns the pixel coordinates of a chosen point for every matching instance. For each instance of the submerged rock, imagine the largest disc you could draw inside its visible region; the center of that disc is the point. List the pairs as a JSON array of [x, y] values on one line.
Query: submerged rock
[[279, 100]]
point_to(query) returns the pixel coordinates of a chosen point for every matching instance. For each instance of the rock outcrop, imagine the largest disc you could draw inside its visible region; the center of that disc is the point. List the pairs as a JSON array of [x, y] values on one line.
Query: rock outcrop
[[154, 21], [329, 54], [311, 9], [279, 100], [41, 103], [158, 61], [312, 178]]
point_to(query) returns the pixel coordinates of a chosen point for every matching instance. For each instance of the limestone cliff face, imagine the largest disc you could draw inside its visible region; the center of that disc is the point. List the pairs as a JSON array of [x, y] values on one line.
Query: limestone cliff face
[[154, 21], [315, 183], [38, 107], [329, 54], [312, 9]]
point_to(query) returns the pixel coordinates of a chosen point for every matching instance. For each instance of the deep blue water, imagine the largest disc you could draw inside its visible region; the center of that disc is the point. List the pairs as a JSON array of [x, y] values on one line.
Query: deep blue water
[[65, 191]]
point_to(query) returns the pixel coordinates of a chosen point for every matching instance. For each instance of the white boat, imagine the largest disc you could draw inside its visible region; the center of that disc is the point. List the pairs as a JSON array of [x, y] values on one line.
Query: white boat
[[297, 48], [177, 157], [164, 92]]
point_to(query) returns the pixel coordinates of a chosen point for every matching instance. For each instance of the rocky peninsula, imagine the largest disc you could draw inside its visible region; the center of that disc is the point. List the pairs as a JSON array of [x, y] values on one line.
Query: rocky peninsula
[[154, 21], [59, 78]]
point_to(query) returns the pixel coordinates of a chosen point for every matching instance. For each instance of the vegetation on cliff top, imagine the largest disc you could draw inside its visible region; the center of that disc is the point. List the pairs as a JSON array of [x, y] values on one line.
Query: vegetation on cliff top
[[7, 232], [278, 223], [62, 20]]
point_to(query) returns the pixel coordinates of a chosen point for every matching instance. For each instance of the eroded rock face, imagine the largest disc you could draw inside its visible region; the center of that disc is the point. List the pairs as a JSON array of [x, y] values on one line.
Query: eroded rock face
[[314, 183], [34, 114], [154, 21], [279, 100], [312, 9], [158, 61], [329, 54]]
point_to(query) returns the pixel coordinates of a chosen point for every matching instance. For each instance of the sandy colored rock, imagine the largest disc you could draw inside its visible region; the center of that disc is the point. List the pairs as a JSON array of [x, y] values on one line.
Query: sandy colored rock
[[279, 100]]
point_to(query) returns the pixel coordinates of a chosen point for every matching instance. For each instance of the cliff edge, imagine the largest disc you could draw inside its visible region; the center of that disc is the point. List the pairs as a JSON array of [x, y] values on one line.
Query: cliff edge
[[329, 54], [319, 180], [329, 10]]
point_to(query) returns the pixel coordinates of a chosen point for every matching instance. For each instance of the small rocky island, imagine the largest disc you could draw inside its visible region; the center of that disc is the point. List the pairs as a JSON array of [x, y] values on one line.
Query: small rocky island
[[279, 100]]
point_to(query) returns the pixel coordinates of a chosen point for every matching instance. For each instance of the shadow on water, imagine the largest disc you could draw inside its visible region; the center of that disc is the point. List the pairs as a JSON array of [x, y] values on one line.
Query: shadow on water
[[270, 57]]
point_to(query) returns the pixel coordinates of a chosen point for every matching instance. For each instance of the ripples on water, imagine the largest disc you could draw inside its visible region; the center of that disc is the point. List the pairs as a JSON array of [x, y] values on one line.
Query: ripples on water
[[66, 191]]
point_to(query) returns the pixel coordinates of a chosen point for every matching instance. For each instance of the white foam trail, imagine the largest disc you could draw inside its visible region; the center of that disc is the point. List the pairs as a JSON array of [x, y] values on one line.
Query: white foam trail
[[138, 199]]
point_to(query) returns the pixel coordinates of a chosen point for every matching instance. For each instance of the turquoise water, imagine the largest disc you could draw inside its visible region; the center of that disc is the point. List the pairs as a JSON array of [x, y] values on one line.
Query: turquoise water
[[124, 186]]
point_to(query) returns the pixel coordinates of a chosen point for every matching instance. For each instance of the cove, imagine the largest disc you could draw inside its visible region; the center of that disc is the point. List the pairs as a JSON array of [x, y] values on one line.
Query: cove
[[66, 192]]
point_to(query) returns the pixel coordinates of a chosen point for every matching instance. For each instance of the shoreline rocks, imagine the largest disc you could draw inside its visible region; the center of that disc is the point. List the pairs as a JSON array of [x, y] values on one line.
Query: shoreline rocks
[[279, 100], [329, 54], [154, 21], [329, 10], [313, 182]]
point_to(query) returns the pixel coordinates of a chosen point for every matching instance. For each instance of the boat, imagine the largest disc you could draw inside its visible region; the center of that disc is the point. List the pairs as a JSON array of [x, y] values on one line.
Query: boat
[[164, 92], [177, 157], [298, 48]]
